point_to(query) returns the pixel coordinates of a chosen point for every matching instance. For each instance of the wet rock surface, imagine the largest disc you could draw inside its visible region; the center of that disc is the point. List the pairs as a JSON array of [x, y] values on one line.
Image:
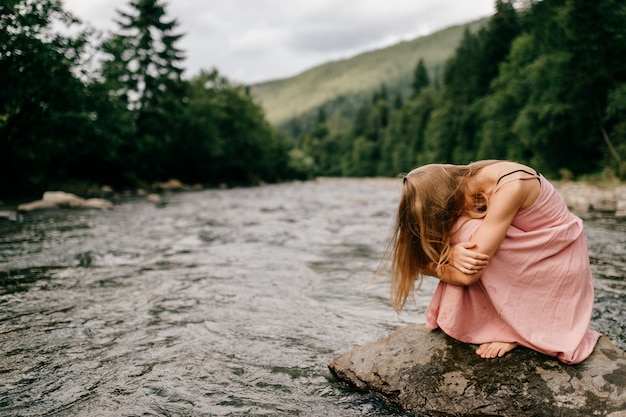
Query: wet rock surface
[[60, 199], [425, 371]]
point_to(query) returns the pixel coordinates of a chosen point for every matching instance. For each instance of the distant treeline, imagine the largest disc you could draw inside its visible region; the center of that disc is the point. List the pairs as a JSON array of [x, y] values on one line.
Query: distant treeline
[[78, 109], [543, 83]]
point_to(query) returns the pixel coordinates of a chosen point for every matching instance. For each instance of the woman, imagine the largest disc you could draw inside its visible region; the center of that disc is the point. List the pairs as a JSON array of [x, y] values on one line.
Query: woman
[[511, 259]]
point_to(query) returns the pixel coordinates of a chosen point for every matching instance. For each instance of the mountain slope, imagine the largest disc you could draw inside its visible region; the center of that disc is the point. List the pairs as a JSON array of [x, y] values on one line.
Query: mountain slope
[[292, 97]]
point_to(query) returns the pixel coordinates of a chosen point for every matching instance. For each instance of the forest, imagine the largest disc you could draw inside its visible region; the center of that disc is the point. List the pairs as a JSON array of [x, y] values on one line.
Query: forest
[[542, 83], [79, 109]]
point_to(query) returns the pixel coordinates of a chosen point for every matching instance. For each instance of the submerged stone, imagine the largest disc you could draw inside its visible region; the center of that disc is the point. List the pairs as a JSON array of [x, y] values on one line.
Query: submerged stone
[[422, 370]]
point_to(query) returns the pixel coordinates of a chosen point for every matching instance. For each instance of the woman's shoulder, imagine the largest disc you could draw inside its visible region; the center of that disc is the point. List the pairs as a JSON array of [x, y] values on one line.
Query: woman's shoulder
[[495, 171], [509, 173]]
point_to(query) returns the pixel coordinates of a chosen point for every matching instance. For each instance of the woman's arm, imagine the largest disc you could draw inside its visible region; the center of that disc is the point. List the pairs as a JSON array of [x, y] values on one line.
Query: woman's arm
[[503, 206], [465, 259], [451, 275]]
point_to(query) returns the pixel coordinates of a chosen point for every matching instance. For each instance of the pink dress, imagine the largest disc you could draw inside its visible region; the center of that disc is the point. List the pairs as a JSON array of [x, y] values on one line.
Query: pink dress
[[537, 289]]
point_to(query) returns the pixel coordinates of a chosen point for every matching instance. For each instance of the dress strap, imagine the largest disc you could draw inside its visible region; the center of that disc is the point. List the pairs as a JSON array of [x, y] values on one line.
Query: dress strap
[[517, 170], [531, 176]]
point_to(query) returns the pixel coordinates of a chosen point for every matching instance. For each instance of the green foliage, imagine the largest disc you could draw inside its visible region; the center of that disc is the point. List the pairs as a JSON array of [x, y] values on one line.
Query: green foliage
[[45, 110], [143, 68], [500, 109], [558, 89], [144, 63], [133, 120], [226, 137], [420, 78], [543, 86]]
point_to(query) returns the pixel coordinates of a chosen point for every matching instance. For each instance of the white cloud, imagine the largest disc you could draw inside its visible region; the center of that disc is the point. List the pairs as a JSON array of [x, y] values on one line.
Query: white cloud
[[256, 40]]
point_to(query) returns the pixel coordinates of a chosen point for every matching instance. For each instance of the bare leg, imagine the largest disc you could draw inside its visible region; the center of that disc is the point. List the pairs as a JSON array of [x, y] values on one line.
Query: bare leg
[[495, 349]]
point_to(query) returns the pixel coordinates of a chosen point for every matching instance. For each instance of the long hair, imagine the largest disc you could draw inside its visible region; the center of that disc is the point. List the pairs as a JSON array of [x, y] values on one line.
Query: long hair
[[433, 198]]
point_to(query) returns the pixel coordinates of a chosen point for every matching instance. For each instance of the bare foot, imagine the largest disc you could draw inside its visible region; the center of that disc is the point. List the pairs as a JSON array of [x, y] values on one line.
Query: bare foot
[[495, 349]]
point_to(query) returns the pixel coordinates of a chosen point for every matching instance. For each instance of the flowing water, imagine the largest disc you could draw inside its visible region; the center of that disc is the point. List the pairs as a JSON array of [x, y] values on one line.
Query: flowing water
[[216, 302]]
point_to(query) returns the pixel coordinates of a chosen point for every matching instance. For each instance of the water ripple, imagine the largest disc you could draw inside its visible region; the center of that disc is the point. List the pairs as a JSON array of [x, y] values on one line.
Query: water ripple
[[222, 302]]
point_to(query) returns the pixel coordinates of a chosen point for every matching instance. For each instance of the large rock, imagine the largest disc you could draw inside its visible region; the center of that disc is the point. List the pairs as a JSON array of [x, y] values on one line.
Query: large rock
[[60, 199], [170, 185], [426, 371], [8, 215]]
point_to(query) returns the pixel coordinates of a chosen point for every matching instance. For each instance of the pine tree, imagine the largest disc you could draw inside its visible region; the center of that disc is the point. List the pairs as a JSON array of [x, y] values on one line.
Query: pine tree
[[143, 67], [595, 35], [144, 61], [496, 41], [420, 78]]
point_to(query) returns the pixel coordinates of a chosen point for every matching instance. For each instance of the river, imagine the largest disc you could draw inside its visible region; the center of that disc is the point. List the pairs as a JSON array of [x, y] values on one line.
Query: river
[[220, 302]]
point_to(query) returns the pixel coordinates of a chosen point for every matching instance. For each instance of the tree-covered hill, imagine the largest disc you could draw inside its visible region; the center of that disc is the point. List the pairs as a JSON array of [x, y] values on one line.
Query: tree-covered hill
[[354, 78], [539, 82]]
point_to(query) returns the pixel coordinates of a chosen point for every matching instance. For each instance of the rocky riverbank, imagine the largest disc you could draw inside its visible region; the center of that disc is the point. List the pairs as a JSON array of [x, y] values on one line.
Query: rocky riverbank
[[581, 197], [105, 200]]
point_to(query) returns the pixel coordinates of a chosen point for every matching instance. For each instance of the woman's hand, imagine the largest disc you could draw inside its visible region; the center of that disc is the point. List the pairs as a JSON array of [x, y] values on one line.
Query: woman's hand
[[466, 260]]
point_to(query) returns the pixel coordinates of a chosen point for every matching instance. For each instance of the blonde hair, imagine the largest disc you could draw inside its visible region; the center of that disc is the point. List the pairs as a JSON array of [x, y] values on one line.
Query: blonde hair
[[433, 198]]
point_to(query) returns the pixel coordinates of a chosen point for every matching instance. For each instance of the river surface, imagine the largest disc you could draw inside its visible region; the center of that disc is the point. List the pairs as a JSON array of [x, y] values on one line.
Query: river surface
[[218, 302]]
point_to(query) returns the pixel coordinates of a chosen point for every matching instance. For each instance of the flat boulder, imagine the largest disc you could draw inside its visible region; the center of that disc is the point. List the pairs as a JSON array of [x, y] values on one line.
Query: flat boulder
[[169, 185], [8, 215], [60, 199], [425, 371], [97, 203]]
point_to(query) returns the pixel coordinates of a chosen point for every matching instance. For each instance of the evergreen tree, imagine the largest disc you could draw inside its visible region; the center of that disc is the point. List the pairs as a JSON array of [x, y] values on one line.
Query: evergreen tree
[[144, 68], [596, 39], [503, 27], [467, 79], [576, 48], [420, 78], [320, 130], [144, 62], [544, 86], [499, 111], [451, 133], [461, 80], [314, 143], [404, 145], [369, 130]]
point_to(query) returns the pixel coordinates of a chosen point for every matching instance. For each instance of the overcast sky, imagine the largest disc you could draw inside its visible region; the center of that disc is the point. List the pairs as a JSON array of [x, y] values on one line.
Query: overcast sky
[[258, 40]]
